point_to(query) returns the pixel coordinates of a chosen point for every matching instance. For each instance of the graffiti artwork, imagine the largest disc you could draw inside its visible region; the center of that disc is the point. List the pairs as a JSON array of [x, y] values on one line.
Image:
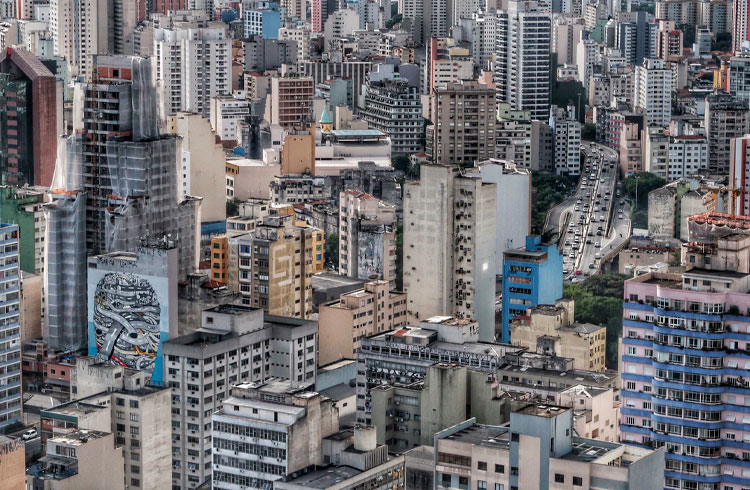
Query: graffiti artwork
[[126, 320]]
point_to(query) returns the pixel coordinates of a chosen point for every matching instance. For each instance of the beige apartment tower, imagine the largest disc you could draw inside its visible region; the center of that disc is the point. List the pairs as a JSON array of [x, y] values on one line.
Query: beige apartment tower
[[463, 130], [367, 237], [343, 323]]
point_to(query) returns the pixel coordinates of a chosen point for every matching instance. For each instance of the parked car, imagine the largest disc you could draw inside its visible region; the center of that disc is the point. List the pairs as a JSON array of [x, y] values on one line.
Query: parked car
[[29, 435]]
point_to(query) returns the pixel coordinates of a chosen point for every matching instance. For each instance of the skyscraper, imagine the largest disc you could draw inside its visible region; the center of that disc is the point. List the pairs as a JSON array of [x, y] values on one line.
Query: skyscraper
[[449, 247], [28, 121], [684, 358], [653, 91], [522, 60], [10, 331]]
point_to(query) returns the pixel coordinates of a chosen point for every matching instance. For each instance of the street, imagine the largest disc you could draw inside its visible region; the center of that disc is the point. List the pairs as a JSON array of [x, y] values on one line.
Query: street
[[595, 220]]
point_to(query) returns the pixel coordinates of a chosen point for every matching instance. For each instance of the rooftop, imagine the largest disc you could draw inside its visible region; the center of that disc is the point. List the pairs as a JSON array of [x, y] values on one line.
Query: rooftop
[[326, 477], [79, 437], [547, 411], [483, 435]]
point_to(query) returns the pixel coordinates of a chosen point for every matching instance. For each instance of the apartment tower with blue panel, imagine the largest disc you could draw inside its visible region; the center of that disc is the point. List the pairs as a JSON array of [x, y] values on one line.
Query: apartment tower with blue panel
[[531, 276]]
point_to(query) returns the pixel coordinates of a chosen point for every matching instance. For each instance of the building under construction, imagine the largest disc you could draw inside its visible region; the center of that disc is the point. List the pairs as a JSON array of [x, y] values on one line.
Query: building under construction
[[115, 184]]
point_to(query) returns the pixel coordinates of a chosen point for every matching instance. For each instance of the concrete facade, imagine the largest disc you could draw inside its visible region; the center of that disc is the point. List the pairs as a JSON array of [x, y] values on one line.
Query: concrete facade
[[553, 330], [449, 247], [367, 237], [342, 323]]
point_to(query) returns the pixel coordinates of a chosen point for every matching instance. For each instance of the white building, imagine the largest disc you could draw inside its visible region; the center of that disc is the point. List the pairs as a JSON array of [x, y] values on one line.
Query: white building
[[567, 134], [483, 38], [513, 186], [10, 330], [687, 155], [302, 37], [236, 344], [266, 431], [522, 62], [653, 91], [449, 247], [225, 112], [81, 29], [192, 65], [340, 23], [588, 55]]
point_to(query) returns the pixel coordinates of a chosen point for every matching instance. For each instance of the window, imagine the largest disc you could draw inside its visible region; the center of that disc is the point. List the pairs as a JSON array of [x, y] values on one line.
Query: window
[[482, 465], [577, 481], [559, 478], [481, 485], [499, 468]]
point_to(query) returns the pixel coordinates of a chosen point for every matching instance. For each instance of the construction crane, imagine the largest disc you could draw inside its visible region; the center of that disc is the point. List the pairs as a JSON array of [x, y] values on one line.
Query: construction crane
[[733, 192]]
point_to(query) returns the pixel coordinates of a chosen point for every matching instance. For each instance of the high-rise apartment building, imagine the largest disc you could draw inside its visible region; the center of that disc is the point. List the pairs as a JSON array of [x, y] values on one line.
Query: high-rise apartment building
[[10, 331], [140, 418], [449, 247], [28, 125], [290, 100], [344, 322], [265, 432], [740, 16], [688, 155], [272, 266], [367, 237], [635, 36], [81, 29], [567, 133], [25, 207], [463, 130], [236, 344], [445, 63], [192, 66], [532, 276], [739, 175], [725, 118], [683, 363], [739, 80], [653, 91], [522, 59], [393, 106]]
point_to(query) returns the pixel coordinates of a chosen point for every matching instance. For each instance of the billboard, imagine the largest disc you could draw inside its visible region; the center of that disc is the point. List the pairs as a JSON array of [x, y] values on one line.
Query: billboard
[[132, 307]]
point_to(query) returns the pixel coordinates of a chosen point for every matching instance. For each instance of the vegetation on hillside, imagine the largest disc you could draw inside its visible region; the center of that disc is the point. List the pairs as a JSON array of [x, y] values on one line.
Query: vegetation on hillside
[[598, 300]]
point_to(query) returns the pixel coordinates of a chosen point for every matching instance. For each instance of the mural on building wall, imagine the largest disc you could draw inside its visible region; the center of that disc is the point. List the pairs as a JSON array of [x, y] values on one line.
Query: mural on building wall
[[128, 310], [370, 258], [126, 320]]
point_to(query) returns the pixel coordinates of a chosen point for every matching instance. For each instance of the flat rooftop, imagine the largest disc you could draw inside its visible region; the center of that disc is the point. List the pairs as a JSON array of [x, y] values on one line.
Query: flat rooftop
[[324, 280], [546, 411], [588, 450], [326, 477], [483, 435], [79, 437]]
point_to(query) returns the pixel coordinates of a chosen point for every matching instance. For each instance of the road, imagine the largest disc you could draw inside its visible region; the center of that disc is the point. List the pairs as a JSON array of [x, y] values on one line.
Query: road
[[597, 215]]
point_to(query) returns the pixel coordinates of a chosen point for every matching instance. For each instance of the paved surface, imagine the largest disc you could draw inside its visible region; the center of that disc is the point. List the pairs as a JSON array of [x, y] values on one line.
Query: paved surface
[[597, 216]]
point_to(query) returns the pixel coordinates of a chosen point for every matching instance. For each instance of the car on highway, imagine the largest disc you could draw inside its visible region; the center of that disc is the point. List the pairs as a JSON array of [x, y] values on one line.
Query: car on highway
[[579, 272], [592, 266], [602, 218], [29, 435], [598, 244], [619, 210]]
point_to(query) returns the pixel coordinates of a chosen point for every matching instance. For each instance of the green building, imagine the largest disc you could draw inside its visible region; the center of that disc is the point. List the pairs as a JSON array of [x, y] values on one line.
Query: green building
[[23, 206]]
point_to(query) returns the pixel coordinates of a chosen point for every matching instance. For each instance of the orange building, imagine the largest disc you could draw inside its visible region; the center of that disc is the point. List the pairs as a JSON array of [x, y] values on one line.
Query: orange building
[[219, 260]]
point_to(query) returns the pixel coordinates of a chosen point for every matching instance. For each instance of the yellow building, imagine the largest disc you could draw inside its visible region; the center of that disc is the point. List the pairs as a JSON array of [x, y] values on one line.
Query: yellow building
[[219, 259], [319, 239], [272, 266], [298, 151], [551, 329]]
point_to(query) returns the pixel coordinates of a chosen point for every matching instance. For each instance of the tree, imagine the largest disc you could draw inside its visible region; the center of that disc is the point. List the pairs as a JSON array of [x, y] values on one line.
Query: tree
[[233, 206], [598, 300], [723, 42], [402, 163], [396, 19], [639, 219], [588, 132], [550, 190], [332, 251], [641, 183]]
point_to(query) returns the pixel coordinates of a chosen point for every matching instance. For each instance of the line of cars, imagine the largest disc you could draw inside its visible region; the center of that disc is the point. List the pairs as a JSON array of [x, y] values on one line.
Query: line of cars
[[588, 219]]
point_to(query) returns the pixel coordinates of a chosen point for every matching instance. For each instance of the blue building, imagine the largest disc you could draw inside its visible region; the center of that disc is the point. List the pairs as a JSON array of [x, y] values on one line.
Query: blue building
[[264, 21], [531, 276]]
